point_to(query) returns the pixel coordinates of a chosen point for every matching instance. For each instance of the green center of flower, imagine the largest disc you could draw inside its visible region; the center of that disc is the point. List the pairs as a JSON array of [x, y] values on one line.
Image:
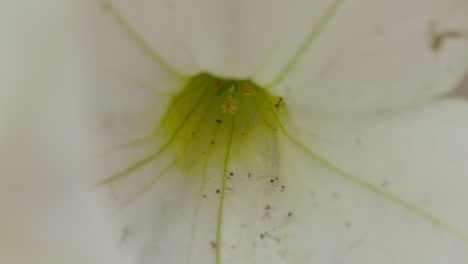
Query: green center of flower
[[211, 113]]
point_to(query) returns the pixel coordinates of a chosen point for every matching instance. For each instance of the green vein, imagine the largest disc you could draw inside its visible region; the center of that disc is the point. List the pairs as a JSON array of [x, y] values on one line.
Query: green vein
[[184, 93], [174, 162], [309, 41], [379, 191], [135, 36], [373, 188], [222, 194], [202, 186], [173, 104], [157, 153]]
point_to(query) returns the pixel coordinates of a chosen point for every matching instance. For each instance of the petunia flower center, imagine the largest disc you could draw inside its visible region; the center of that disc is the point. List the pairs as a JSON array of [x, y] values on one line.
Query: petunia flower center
[[212, 111], [218, 144]]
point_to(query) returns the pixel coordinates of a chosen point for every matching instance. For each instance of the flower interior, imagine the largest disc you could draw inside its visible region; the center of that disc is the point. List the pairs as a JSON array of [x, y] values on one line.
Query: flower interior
[[219, 144], [214, 129], [219, 140], [213, 116]]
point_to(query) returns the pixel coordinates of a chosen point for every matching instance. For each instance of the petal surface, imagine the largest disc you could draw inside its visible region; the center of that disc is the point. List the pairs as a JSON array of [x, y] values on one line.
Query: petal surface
[[380, 197], [376, 56], [49, 212], [226, 38], [172, 221], [412, 166]]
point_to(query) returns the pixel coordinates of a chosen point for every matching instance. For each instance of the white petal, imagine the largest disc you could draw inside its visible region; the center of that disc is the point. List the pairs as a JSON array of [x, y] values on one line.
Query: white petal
[[404, 184], [172, 223], [49, 212], [129, 79], [381, 55], [261, 213], [227, 38], [295, 209]]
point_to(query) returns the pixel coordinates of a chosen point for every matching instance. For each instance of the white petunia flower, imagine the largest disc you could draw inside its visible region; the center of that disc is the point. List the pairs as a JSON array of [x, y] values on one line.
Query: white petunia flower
[[242, 132]]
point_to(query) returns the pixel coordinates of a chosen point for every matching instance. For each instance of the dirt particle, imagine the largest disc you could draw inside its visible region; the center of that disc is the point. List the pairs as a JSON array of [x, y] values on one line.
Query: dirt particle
[[439, 38], [213, 244], [217, 191], [289, 214], [124, 234], [358, 141], [217, 84], [279, 103], [334, 196], [219, 121]]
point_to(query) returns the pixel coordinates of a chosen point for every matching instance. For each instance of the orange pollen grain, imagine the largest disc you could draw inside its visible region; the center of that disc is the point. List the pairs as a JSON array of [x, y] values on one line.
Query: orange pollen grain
[[216, 85], [247, 90], [230, 105]]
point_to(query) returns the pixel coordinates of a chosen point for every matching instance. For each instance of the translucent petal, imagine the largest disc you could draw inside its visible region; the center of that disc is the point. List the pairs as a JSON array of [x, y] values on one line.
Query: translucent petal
[[356, 55], [49, 212], [374, 56], [380, 197], [318, 215], [226, 38], [411, 165]]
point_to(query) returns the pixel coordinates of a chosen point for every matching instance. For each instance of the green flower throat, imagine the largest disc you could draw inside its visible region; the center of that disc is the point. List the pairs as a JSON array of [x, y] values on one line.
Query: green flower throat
[[212, 111], [212, 129]]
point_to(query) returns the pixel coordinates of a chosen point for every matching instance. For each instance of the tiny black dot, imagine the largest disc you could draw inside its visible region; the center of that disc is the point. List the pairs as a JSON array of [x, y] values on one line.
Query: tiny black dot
[[249, 175], [213, 244], [262, 236], [219, 121], [204, 196], [290, 214], [232, 173], [272, 180], [217, 191]]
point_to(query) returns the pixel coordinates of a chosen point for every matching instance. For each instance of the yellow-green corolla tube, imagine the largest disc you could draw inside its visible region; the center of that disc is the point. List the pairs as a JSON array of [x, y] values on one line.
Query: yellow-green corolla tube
[[253, 132]]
